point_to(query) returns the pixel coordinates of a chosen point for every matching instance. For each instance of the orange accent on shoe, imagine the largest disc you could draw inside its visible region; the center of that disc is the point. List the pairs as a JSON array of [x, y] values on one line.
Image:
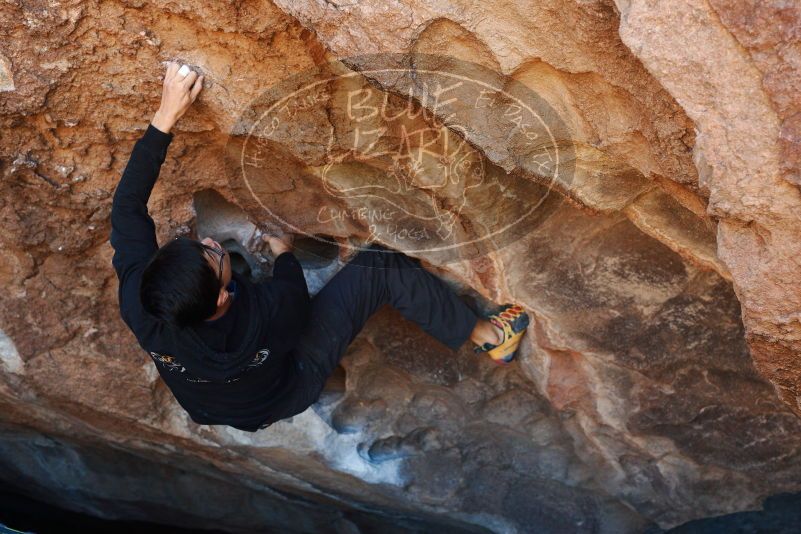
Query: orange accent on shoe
[[504, 351]]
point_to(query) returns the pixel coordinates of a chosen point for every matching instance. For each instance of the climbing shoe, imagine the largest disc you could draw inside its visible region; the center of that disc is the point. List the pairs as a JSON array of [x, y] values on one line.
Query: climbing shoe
[[512, 321]]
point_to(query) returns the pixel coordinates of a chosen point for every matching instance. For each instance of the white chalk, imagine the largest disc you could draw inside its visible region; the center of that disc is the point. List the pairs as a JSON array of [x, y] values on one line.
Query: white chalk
[[183, 71]]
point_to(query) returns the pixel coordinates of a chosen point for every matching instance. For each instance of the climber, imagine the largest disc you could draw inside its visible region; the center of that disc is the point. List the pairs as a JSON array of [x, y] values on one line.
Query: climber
[[246, 355]]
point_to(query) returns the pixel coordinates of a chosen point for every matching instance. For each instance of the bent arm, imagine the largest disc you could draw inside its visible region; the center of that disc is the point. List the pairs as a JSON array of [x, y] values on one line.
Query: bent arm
[[133, 233], [293, 303], [287, 268]]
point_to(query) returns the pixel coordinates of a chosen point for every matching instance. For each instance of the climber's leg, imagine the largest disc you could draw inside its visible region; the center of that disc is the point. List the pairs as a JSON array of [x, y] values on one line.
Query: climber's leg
[[375, 277], [425, 299]]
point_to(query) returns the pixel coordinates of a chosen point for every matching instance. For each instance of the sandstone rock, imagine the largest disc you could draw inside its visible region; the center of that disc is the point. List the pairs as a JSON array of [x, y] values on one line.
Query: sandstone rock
[[659, 381], [6, 77], [748, 149], [11, 361]]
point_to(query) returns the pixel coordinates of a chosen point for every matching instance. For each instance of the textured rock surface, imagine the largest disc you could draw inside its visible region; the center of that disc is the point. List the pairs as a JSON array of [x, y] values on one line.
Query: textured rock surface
[[744, 102], [660, 379]]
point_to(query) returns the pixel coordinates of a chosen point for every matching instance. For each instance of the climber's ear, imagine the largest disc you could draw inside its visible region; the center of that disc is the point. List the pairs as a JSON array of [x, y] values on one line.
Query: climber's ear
[[222, 297]]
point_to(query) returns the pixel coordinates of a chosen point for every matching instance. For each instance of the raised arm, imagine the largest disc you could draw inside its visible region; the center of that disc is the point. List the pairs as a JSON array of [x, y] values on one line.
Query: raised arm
[[133, 234]]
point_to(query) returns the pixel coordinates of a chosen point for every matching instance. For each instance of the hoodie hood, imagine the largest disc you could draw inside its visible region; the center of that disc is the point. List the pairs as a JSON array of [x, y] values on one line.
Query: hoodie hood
[[208, 364]]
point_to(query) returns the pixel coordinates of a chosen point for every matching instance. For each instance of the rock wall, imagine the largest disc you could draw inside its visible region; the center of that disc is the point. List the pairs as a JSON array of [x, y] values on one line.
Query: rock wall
[[744, 102], [659, 380]]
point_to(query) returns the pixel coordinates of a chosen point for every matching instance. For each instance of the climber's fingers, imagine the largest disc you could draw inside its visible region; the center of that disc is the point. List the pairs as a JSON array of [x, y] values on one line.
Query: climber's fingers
[[196, 87], [172, 68], [177, 95], [190, 78], [279, 245]]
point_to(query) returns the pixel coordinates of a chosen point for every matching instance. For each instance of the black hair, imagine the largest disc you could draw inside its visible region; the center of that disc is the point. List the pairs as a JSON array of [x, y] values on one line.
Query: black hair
[[178, 285]]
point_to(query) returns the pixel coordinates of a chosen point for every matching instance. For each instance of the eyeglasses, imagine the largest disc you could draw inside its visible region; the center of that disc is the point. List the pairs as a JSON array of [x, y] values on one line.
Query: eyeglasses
[[221, 253]]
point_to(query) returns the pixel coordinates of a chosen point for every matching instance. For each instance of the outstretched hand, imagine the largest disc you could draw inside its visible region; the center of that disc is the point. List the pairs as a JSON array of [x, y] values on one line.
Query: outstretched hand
[[279, 245], [177, 95]]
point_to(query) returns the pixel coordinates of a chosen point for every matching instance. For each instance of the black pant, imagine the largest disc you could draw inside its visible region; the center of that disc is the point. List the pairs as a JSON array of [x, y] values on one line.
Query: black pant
[[374, 277]]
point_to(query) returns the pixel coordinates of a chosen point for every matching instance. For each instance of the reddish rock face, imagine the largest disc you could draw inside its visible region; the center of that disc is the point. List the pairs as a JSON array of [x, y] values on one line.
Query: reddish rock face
[[744, 102], [649, 204]]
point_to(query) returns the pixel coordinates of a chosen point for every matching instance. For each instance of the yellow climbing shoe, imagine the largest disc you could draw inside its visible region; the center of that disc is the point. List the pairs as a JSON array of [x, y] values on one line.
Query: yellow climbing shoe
[[513, 321]]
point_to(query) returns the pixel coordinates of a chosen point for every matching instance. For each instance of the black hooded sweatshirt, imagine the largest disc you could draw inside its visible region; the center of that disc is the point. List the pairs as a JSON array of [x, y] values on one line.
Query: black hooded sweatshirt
[[237, 370]]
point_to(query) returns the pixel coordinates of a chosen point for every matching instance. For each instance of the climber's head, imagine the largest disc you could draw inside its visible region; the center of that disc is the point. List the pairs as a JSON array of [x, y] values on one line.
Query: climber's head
[[185, 281]]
